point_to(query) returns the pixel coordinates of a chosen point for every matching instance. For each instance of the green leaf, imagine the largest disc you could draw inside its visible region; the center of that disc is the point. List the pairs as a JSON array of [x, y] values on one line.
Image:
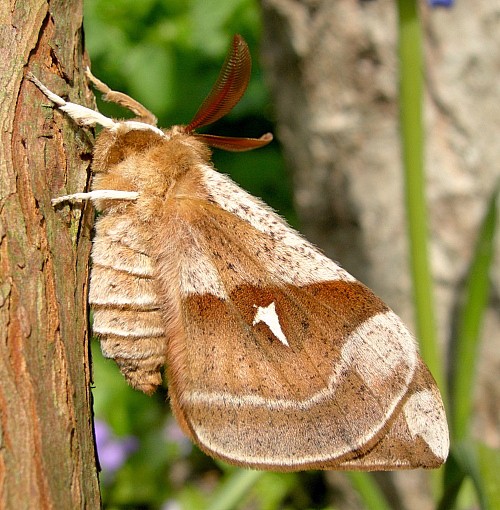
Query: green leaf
[[231, 491], [469, 324], [479, 463], [411, 98], [454, 477], [369, 491], [489, 469]]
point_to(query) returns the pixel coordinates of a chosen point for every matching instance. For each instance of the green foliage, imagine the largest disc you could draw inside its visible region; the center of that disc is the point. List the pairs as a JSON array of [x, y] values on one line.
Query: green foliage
[[476, 294], [167, 54], [368, 490], [469, 458]]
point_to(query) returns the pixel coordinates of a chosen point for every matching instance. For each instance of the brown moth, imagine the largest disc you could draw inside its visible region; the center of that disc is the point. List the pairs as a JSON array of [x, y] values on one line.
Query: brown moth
[[276, 358]]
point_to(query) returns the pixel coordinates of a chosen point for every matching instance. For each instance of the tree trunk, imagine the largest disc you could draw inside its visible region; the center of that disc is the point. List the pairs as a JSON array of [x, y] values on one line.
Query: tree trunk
[[47, 455]]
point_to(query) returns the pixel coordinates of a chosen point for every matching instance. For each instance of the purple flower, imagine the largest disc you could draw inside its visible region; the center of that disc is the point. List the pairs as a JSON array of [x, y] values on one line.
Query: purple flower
[[441, 3], [112, 450], [174, 434]]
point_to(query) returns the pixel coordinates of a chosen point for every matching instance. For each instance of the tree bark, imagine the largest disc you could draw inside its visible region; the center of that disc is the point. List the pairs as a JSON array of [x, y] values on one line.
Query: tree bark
[[47, 455]]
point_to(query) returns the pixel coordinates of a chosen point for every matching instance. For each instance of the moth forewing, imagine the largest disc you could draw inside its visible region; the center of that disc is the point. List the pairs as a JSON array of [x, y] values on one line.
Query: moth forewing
[[337, 386], [276, 357]]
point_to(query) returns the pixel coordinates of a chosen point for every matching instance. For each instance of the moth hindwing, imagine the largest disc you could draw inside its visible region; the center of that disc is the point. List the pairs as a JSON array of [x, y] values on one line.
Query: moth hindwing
[[276, 358]]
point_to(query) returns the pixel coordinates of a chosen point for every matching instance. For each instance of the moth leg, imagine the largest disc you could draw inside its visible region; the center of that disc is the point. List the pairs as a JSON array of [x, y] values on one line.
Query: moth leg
[[98, 194], [143, 114], [82, 115]]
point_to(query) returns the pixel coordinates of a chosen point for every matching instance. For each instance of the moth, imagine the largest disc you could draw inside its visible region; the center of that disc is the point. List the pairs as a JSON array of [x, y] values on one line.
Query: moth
[[276, 358]]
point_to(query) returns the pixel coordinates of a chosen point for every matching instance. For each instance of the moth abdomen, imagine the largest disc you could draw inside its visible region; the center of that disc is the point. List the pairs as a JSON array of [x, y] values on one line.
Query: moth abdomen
[[142, 370], [123, 295], [134, 336]]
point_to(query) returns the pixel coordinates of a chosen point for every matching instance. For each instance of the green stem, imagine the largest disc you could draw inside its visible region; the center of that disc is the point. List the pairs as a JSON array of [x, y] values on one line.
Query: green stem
[[469, 324], [230, 493], [367, 488], [411, 98]]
